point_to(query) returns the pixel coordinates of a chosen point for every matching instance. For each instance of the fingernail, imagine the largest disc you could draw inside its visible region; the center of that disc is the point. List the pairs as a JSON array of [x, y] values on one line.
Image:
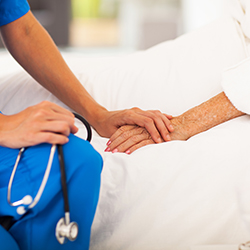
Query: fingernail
[[158, 140], [171, 127], [107, 149], [115, 150], [128, 152], [168, 138], [108, 143]]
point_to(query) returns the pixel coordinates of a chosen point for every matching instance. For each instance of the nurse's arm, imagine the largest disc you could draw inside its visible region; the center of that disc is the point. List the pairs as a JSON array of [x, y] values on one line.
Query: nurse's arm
[[33, 48]]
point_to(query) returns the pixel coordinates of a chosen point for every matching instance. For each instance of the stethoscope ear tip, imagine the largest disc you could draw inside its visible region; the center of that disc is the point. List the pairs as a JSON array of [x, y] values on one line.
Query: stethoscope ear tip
[[27, 200], [21, 210]]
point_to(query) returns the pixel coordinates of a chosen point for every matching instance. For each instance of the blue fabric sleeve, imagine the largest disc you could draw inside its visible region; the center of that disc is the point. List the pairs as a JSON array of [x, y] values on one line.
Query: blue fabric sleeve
[[11, 10]]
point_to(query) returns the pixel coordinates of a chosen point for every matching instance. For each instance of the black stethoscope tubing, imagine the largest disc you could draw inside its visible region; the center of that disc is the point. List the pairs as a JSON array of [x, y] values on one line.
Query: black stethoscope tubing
[[7, 221], [62, 163]]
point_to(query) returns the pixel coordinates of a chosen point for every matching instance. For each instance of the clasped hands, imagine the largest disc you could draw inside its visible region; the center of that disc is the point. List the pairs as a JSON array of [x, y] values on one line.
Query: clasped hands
[[129, 138], [47, 122]]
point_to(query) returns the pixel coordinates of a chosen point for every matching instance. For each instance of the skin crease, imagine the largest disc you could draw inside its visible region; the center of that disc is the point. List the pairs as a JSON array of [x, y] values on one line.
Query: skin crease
[[211, 113], [35, 51]]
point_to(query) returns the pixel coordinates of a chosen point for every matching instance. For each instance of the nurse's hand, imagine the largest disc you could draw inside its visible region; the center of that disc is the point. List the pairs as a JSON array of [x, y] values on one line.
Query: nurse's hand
[[156, 123], [42, 123]]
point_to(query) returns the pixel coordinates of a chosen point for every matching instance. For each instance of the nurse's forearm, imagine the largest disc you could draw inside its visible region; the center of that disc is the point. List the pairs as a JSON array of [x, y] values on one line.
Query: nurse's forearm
[[213, 112], [32, 47]]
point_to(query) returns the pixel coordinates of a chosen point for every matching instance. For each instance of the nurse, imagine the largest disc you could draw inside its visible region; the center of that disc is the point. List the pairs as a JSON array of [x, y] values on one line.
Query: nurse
[[40, 126]]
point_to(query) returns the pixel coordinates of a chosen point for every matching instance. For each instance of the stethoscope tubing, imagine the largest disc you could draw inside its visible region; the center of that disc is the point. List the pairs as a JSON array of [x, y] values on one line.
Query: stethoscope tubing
[[47, 172], [89, 131], [43, 183], [63, 178]]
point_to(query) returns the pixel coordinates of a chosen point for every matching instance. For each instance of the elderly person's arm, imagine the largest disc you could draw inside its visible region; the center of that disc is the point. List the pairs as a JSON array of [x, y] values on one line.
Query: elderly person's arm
[[33, 48], [213, 112]]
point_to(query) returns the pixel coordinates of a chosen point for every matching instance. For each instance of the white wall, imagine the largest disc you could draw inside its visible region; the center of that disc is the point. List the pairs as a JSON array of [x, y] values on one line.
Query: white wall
[[143, 25], [146, 23]]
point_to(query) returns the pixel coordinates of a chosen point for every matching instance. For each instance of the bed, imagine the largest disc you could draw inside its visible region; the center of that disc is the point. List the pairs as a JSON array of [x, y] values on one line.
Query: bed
[[179, 195]]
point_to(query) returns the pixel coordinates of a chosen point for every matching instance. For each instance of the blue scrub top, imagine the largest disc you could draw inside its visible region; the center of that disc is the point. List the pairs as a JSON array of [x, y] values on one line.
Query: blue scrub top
[[11, 10]]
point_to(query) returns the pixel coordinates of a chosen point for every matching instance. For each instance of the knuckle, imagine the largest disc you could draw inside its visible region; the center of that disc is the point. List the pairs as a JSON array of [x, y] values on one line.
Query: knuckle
[[157, 112], [147, 142], [135, 138], [124, 136], [141, 130], [148, 121], [67, 131], [71, 121], [122, 129], [41, 112], [64, 127], [45, 103], [146, 134], [48, 137], [135, 109]]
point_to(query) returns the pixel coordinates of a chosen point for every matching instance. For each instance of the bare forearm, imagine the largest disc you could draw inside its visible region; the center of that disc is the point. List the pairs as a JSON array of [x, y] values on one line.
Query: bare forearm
[[211, 113], [32, 47]]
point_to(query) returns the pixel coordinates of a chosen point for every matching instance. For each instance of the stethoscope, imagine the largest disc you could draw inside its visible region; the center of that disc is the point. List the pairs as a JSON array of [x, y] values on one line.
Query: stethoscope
[[65, 229]]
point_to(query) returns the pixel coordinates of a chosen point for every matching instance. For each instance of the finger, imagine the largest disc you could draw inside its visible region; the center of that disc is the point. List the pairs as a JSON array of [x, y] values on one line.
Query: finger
[[169, 116], [32, 139], [162, 123], [58, 127], [164, 126], [168, 123], [139, 145], [146, 122], [122, 134], [119, 132], [140, 135], [56, 108], [52, 138], [137, 117], [49, 115]]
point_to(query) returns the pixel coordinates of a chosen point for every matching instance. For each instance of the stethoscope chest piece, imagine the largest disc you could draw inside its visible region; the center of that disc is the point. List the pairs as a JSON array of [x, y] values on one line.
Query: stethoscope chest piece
[[66, 231]]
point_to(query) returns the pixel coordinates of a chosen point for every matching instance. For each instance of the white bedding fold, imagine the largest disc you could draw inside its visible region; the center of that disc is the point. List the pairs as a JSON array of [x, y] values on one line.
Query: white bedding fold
[[236, 85]]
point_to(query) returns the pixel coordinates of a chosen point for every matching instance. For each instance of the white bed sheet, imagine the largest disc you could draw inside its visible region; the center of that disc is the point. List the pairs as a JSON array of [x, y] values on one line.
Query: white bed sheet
[[173, 195]]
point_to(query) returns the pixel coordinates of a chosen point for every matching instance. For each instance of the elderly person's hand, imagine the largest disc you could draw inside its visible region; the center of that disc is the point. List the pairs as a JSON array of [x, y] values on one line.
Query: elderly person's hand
[[42, 123], [129, 138]]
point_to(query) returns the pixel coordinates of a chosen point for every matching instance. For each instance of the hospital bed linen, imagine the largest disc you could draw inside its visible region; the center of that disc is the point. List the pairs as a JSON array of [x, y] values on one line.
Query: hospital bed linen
[[174, 195]]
